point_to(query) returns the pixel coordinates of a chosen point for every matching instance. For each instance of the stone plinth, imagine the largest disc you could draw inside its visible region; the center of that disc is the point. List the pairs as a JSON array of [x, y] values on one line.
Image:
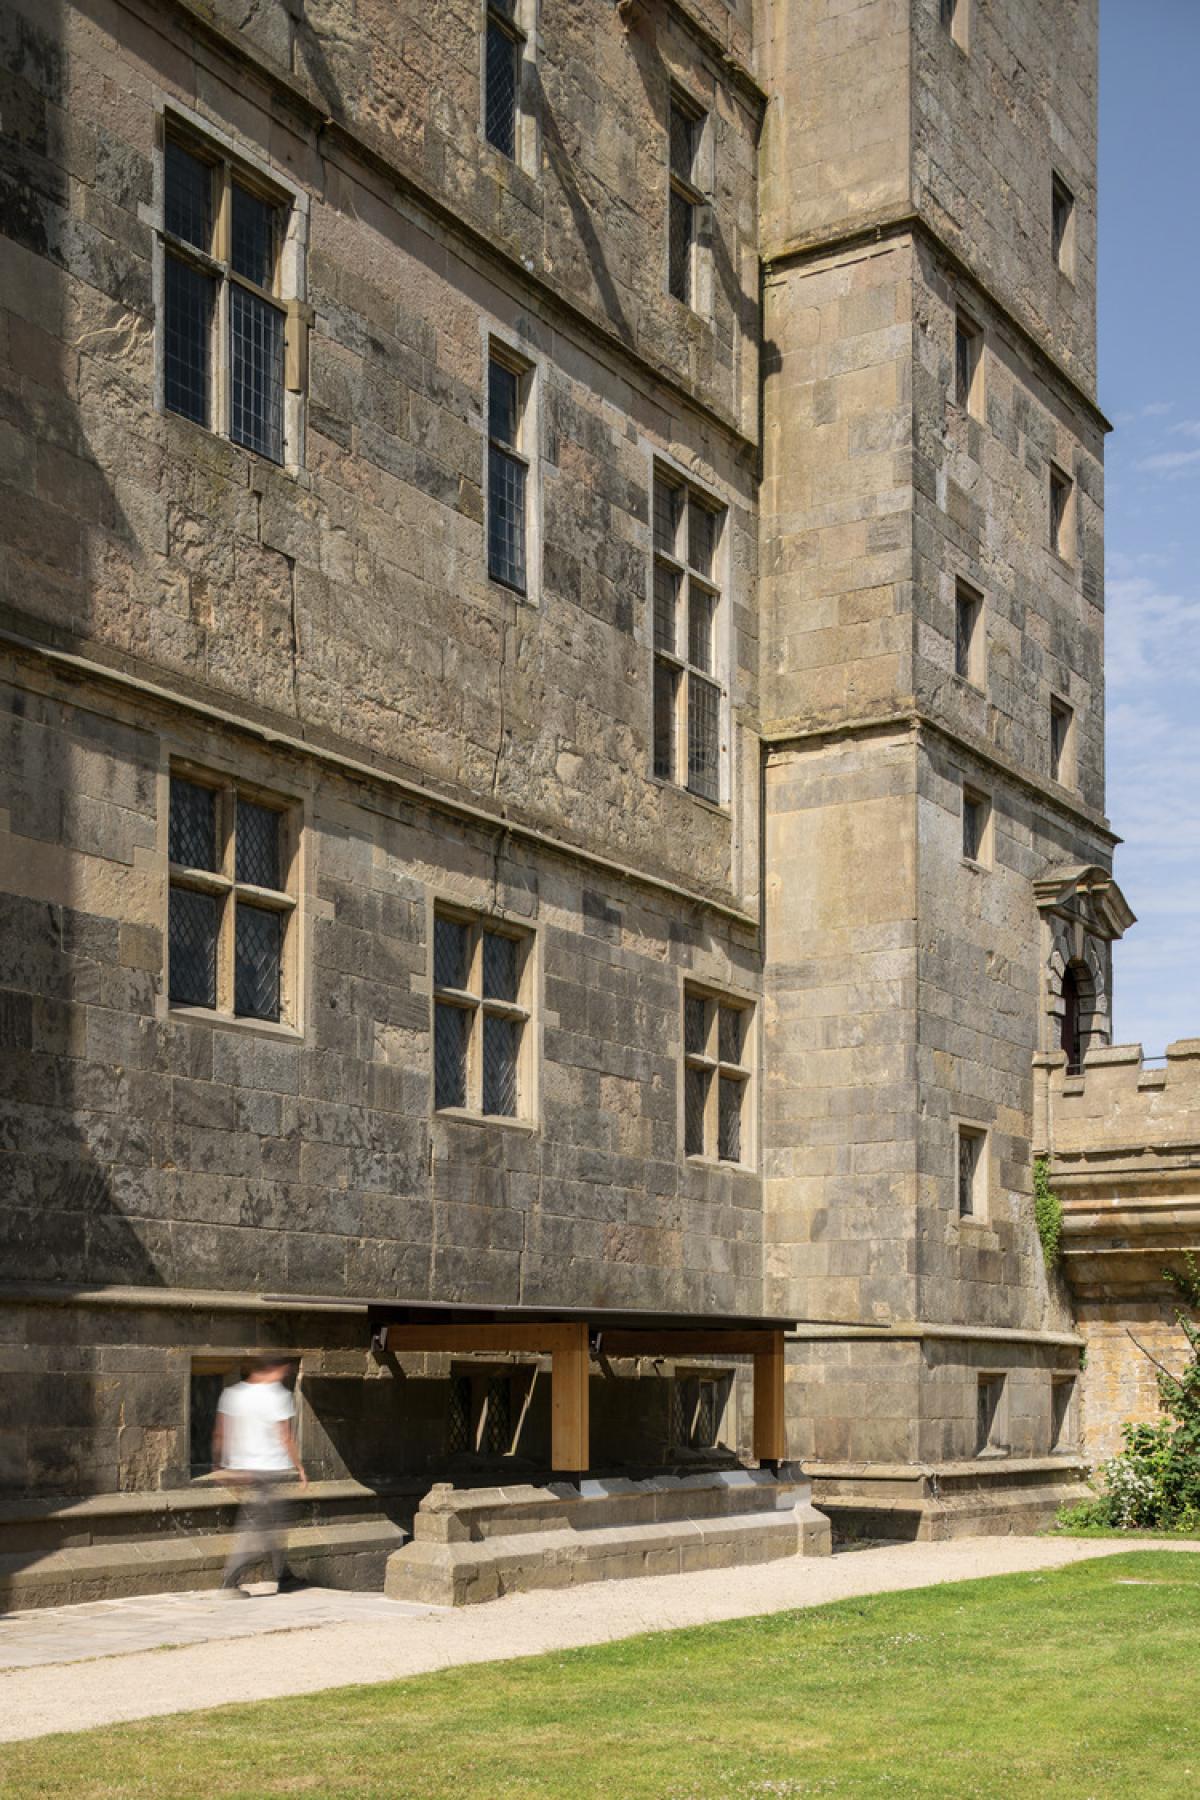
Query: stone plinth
[[471, 1545]]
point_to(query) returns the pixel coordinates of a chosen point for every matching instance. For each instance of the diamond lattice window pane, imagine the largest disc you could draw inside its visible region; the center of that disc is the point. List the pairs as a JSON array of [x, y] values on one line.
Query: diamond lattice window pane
[[259, 940], [506, 518], [679, 248], [501, 1043], [187, 210], [451, 953], [705, 1431], [729, 1120], [500, 966], [666, 595], [704, 712], [257, 844], [665, 686], [695, 1024], [968, 1163], [192, 831], [192, 957], [684, 137], [500, 102], [188, 302], [729, 1033], [498, 1429], [458, 1415], [255, 237], [702, 607], [451, 1029], [667, 509], [702, 536], [256, 373], [695, 1098]]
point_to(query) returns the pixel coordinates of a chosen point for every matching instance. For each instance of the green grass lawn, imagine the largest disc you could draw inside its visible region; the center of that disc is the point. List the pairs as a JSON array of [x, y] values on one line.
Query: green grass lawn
[[1081, 1682]]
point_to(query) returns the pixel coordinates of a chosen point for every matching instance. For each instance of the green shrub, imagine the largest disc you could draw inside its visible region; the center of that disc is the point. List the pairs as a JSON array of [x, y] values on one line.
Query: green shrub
[[1047, 1212], [1154, 1483]]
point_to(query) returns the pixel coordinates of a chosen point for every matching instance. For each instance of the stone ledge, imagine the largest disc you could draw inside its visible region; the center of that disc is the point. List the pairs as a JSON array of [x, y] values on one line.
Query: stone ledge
[[351, 1555], [469, 1548]]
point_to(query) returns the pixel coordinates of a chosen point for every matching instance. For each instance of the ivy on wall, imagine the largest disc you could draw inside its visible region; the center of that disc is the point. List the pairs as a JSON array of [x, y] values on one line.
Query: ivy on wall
[[1047, 1212]]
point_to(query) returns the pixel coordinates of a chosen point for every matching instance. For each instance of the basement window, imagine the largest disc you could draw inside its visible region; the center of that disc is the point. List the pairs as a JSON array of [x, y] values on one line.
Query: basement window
[[698, 1405], [991, 1435], [1062, 1414]]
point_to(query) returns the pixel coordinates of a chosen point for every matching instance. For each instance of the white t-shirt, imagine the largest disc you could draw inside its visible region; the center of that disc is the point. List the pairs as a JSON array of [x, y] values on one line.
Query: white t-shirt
[[252, 1413]]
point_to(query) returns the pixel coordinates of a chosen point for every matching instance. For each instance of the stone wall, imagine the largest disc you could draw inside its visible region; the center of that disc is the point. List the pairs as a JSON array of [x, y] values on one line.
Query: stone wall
[[1123, 1139]]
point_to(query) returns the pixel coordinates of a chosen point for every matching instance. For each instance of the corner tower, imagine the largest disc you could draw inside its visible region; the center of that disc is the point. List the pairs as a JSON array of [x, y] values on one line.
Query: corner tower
[[932, 564]]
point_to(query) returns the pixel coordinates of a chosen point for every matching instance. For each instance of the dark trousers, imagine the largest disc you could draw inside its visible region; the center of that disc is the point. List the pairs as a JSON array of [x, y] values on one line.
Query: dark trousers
[[260, 1523]]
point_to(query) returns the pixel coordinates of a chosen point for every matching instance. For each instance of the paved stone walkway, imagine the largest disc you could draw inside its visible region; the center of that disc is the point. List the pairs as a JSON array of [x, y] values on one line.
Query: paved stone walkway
[[67, 1634], [321, 1639]]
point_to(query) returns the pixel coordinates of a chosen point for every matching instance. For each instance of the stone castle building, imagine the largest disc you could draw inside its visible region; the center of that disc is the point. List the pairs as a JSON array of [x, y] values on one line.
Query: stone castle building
[[553, 783]]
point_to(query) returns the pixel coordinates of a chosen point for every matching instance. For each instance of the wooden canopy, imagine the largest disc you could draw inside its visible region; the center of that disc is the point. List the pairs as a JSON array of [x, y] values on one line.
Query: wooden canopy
[[571, 1336]]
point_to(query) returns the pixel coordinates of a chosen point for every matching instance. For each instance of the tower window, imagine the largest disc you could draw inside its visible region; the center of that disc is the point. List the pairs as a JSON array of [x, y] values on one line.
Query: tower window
[[1062, 226], [976, 820], [508, 471], [1062, 721], [953, 16], [689, 696], [686, 129], [972, 1169], [968, 365], [503, 50], [1078, 1004], [968, 634], [1061, 491]]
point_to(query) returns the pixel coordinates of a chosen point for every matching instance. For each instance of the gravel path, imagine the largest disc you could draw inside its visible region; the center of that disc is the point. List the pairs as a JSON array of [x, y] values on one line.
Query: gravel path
[[232, 1662]]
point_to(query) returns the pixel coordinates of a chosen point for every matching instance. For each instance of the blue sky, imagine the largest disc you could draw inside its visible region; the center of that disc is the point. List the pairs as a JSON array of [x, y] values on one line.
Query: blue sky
[[1150, 388]]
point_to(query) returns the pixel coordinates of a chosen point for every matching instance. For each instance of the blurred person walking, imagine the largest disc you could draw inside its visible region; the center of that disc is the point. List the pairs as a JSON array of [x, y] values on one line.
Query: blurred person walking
[[254, 1446]]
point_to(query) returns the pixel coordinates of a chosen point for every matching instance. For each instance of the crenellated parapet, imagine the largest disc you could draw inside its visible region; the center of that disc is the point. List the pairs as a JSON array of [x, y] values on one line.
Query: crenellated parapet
[[1123, 1139]]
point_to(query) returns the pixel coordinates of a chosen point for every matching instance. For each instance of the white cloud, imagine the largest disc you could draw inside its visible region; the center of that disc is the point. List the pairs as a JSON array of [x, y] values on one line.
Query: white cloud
[[1170, 462], [1156, 408]]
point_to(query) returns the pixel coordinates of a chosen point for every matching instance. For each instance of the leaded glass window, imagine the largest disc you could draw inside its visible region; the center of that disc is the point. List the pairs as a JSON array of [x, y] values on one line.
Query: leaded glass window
[[508, 471], [231, 907], [503, 49], [685, 198], [688, 699], [716, 1077], [481, 1018], [223, 326]]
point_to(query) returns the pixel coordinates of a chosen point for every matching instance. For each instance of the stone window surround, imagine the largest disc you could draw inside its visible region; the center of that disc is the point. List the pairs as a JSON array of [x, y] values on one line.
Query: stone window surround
[[981, 1186], [1064, 1425], [229, 782], [955, 19], [174, 118], [1060, 498], [1064, 206], [698, 193], [747, 1005], [1062, 763], [523, 18], [229, 1364], [675, 474], [528, 1005], [975, 673], [985, 853], [507, 347], [721, 1377], [969, 394], [998, 1440]]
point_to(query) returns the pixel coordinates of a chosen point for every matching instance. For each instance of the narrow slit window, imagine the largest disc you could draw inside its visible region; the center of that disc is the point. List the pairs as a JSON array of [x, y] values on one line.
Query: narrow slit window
[[989, 1415], [953, 15], [481, 1018], [716, 1078], [503, 51], [1062, 1413], [508, 475], [968, 634], [1062, 226], [976, 820], [689, 695], [971, 1172], [231, 904], [685, 198], [1061, 487], [224, 323], [968, 365], [1061, 734]]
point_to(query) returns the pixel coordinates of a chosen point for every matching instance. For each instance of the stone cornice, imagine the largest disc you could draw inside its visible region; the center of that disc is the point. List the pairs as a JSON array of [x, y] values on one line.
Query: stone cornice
[[903, 221], [781, 735]]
